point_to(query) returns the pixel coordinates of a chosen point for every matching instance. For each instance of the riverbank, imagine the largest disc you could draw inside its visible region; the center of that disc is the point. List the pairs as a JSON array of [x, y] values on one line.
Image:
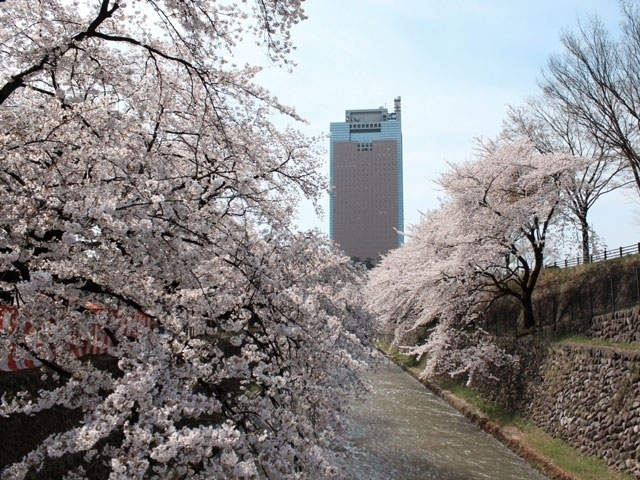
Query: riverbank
[[398, 429], [539, 449], [510, 436]]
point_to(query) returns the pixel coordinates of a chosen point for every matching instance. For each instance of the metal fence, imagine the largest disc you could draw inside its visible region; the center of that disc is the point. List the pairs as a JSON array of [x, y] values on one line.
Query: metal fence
[[597, 257], [571, 305]]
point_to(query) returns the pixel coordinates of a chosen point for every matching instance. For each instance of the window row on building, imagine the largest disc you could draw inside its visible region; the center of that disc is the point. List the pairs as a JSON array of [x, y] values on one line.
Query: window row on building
[[361, 126], [365, 147]]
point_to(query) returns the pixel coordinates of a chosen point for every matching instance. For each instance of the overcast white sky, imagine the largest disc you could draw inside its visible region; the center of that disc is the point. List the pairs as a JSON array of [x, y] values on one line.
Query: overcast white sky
[[457, 65]]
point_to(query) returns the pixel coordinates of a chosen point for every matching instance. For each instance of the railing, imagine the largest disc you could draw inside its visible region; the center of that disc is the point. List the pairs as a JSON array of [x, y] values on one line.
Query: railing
[[597, 257], [569, 306]]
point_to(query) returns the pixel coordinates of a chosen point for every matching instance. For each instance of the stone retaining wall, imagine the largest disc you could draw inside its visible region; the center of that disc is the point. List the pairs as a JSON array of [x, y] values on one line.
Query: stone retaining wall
[[621, 326], [588, 396]]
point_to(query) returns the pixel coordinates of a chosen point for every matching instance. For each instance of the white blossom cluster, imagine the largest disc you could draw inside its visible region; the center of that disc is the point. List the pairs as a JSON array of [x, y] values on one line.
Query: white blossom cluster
[[139, 170], [486, 241]]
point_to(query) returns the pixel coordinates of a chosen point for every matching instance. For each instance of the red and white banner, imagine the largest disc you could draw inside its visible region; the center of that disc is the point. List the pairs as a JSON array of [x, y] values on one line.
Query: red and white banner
[[98, 344]]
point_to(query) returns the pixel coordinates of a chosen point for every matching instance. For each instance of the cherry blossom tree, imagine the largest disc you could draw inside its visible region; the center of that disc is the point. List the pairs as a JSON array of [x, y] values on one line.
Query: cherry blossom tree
[[506, 201], [139, 170], [428, 301], [486, 241], [554, 130]]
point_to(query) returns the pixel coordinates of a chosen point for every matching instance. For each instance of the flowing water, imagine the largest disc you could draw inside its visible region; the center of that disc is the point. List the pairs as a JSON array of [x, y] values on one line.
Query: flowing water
[[402, 431]]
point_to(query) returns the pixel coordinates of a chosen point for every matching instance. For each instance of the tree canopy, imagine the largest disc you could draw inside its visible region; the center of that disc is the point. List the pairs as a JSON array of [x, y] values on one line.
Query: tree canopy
[[140, 170], [486, 241], [595, 80]]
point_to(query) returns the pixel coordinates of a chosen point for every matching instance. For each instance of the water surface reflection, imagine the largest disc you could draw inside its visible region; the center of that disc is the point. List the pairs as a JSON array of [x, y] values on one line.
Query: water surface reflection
[[402, 431]]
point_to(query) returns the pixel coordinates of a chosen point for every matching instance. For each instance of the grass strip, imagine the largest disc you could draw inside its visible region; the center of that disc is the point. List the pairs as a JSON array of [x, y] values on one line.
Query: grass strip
[[580, 465], [496, 413], [598, 342], [584, 340], [408, 361], [586, 270], [568, 458]]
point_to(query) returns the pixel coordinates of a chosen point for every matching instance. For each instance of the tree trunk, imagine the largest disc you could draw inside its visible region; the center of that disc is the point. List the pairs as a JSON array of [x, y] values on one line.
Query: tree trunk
[[527, 308], [584, 230]]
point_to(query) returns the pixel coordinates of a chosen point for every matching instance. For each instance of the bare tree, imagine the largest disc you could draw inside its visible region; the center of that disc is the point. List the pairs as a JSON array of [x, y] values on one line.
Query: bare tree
[[552, 129], [596, 81]]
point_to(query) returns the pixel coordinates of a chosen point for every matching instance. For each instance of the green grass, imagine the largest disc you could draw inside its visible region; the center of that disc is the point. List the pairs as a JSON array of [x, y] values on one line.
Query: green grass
[[574, 462], [582, 466], [496, 413], [582, 340], [600, 342], [408, 361]]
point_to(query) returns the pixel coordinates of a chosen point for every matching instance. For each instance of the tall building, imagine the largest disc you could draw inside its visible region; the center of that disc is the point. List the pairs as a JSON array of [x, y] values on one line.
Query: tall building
[[366, 209]]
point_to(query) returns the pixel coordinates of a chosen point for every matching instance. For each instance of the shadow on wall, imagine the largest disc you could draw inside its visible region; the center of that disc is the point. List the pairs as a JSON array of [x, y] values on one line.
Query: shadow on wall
[[567, 300]]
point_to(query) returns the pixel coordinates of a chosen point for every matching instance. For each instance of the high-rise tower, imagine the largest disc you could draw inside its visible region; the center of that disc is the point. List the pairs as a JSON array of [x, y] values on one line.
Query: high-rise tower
[[366, 210]]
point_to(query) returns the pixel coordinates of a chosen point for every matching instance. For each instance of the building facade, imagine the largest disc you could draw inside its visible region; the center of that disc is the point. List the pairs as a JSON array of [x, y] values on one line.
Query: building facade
[[366, 205]]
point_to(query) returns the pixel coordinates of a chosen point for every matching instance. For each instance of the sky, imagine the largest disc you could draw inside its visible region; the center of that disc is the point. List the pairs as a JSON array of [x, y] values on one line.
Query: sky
[[457, 64]]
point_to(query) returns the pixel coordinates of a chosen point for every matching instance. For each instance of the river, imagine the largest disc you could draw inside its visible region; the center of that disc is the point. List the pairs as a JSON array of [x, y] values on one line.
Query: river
[[402, 431]]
